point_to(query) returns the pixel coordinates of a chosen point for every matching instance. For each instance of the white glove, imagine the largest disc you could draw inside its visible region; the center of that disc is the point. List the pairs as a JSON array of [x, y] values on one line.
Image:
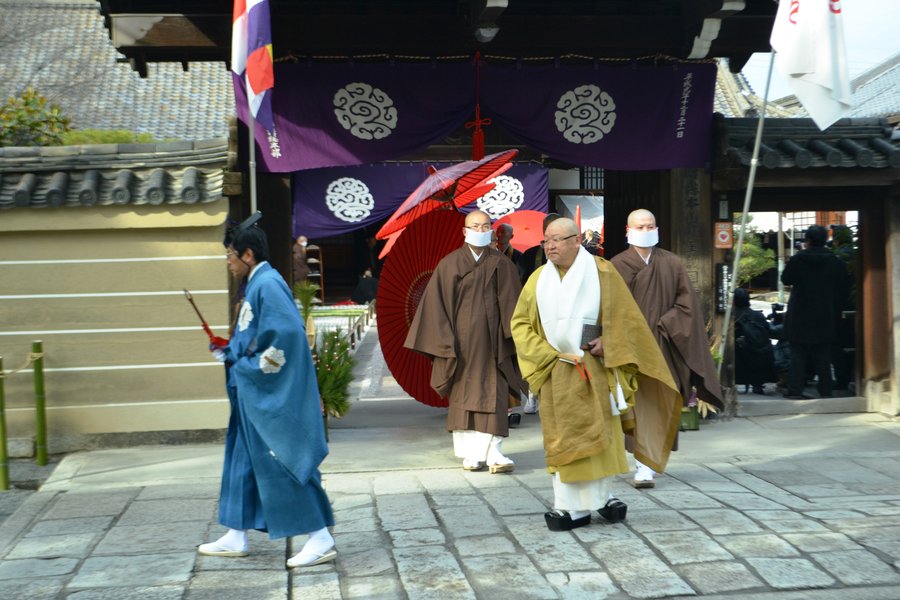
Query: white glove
[[218, 355]]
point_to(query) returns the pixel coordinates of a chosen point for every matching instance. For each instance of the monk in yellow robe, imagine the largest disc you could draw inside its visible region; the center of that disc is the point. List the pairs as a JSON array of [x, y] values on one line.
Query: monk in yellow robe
[[582, 342]]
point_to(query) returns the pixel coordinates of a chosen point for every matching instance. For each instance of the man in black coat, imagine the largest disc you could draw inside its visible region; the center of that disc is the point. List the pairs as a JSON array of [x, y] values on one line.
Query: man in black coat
[[819, 285]]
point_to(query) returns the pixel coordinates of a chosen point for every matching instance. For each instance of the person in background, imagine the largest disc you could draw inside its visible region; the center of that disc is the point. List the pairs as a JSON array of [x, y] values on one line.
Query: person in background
[[299, 267], [462, 325], [582, 342], [366, 288], [754, 358], [661, 287], [842, 352], [534, 257], [276, 439], [819, 287], [505, 233]]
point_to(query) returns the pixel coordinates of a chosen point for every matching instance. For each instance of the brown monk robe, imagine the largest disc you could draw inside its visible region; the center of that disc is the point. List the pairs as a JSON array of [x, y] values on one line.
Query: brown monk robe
[[666, 297], [463, 324], [660, 286]]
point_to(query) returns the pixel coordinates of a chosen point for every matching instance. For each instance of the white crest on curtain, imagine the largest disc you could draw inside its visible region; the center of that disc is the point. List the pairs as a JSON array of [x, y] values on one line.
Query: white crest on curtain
[[508, 195], [585, 114], [349, 199], [365, 111]]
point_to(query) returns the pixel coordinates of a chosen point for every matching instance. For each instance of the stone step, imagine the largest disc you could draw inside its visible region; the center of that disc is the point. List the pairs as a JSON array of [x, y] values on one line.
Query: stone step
[[756, 405]]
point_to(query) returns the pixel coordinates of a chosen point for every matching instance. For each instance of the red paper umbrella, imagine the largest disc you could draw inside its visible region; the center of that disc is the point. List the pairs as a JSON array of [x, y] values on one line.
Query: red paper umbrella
[[404, 276], [455, 186], [528, 228], [391, 240]]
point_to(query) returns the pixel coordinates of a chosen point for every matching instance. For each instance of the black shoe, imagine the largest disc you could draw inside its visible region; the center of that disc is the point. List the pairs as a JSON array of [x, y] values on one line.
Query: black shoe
[[614, 511], [758, 389], [560, 520], [514, 419]]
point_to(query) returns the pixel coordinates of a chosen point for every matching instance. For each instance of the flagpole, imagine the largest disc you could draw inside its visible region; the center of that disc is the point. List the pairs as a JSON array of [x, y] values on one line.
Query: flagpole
[[251, 163], [751, 179]]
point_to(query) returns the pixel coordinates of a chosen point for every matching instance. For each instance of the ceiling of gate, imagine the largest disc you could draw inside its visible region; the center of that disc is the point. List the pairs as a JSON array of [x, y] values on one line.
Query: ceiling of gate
[[200, 30]]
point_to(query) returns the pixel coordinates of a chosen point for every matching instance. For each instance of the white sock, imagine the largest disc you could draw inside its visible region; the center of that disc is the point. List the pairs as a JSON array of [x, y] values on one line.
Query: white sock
[[579, 514], [643, 472], [319, 542], [495, 456], [234, 539]]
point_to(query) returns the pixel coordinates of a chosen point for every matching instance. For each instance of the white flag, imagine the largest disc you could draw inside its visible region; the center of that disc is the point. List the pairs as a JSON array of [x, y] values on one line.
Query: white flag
[[808, 39]]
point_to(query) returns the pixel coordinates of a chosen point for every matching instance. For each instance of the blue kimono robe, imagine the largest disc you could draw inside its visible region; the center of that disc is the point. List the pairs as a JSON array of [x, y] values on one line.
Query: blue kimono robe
[[276, 438]]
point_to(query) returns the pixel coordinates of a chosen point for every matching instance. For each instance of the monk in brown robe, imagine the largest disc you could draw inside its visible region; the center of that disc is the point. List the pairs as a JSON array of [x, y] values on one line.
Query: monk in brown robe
[[463, 325], [660, 285]]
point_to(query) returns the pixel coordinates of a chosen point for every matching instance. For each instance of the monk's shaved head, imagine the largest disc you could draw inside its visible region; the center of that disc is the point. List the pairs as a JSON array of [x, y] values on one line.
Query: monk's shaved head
[[561, 226], [477, 216], [636, 217]]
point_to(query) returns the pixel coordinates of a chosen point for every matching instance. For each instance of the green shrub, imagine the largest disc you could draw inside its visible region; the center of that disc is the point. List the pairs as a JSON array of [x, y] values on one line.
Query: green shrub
[[77, 137], [31, 120], [334, 372], [306, 292]]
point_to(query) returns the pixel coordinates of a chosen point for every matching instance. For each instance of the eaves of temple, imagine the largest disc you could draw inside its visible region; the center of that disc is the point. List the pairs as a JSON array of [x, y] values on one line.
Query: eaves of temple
[[166, 31]]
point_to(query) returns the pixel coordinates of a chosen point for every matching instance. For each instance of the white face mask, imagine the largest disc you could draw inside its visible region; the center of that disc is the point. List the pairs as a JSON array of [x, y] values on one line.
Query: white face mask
[[479, 239], [303, 244], [643, 239]]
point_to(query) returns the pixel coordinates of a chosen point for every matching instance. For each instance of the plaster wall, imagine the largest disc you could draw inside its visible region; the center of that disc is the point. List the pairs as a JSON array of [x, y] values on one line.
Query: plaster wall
[[102, 287]]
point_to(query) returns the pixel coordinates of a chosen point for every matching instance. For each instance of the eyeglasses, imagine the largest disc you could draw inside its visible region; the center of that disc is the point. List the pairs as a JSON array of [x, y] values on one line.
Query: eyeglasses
[[479, 226], [557, 240]]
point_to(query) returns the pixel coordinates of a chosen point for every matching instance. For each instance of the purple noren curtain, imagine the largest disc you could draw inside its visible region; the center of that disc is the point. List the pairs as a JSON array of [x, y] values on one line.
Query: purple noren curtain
[[628, 117], [343, 199]]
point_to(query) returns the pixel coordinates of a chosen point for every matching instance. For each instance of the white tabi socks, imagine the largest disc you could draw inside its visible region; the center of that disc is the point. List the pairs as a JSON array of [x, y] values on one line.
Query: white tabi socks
[[319, 548], [233, 543], [643, 476], [497, 463]]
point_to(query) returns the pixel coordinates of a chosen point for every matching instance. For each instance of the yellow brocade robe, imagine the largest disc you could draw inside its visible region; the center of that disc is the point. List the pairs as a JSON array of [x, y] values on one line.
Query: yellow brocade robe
[[576, 417]]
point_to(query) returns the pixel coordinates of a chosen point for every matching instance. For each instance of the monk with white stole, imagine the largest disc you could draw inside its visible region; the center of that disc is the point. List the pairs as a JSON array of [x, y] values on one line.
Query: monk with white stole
[[587, 398]]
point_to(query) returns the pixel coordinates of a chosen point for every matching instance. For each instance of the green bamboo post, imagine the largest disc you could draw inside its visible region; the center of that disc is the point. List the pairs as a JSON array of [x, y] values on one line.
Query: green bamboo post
[[40, 409], [4, 456]]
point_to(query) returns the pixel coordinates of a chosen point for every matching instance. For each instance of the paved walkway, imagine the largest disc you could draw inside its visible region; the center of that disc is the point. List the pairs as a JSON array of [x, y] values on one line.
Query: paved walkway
[[782, 507]]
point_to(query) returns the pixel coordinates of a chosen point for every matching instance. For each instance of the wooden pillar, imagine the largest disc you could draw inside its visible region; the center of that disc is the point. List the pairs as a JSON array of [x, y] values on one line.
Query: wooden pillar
[[880, 303], [692, 231]]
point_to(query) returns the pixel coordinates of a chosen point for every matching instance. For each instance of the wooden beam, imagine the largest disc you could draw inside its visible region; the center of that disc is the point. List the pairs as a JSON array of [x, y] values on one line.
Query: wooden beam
[[605, 36], [736, 178]]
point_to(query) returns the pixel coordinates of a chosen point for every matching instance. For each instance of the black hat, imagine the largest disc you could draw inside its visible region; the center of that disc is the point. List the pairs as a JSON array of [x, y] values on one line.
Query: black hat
[[233, 231]]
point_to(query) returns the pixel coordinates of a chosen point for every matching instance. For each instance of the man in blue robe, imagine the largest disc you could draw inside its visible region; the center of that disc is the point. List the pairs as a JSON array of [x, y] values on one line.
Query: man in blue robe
[[276, 440]]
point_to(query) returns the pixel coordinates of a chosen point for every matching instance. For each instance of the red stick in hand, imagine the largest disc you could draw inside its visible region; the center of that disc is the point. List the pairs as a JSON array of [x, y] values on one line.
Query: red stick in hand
[[218, 342]]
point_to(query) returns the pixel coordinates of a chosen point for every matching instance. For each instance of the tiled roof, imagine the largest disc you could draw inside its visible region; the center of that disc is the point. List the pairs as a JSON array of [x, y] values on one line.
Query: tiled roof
[[798, 143], [735, 98], [170, 173], [876, 93], [62, 49]]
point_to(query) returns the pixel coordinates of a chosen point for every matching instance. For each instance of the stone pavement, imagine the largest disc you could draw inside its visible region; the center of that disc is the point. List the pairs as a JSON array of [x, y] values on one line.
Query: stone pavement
[[782, 507]]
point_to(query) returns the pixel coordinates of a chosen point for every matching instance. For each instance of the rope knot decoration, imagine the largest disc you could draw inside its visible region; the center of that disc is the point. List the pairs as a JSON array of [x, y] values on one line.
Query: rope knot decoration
[[29, 360]]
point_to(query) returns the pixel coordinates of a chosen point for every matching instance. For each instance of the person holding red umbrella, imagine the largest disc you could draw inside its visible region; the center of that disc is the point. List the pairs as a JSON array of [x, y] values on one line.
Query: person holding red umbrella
[[463, 325]]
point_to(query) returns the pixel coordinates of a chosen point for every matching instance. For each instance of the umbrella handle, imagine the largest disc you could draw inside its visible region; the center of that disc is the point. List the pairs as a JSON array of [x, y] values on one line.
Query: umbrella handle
[[214, 340]]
